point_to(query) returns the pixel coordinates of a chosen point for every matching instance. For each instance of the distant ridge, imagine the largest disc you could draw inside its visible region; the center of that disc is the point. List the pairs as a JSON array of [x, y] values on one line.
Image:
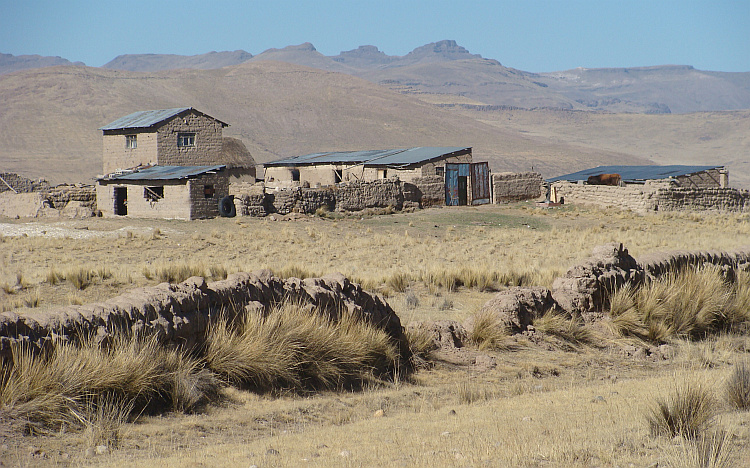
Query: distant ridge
[[160, 62], [445, 73], [10, 63]]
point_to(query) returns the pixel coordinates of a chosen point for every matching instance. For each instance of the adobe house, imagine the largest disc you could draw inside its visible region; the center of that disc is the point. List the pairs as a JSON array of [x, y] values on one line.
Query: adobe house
[[169, 164], [452, 164]]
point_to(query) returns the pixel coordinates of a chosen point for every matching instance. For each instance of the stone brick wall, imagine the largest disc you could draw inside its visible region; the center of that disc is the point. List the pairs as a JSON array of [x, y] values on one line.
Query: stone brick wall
[[22, 184], [711, 178], [202, 207], [427, 191], [654, 196], [59, 196], [721, 199], [356, 196], [180, 313], [116, 156], [174, 205], [512, 187], [208, 141]]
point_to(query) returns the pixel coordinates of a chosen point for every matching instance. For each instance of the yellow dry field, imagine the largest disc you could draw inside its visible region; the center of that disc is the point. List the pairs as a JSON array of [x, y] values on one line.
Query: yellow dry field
[[542, 404]]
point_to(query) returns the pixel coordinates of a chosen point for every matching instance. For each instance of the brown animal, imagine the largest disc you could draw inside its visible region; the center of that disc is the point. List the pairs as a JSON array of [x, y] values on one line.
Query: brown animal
[[604, 179]]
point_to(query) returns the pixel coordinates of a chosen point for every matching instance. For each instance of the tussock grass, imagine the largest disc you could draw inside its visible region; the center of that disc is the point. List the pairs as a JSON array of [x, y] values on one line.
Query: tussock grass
[[74, 381], [490, 333], [173, 273], [690, 304], [421, 344], [296, 348], [689, 411], [566, 328], [471, 392], [710, 450], [737, 388]]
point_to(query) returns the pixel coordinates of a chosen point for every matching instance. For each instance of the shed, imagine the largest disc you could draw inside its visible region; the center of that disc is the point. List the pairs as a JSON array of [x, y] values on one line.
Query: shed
[[334, 167], [684, 176], [174, 192]]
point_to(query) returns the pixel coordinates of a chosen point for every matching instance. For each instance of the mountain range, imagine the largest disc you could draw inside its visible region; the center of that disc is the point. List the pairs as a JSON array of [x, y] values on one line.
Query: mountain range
[[49, 116], [451, 73]]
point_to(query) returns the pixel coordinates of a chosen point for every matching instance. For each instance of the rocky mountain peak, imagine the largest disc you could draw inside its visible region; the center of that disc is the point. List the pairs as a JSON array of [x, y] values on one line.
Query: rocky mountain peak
[[447, 49]]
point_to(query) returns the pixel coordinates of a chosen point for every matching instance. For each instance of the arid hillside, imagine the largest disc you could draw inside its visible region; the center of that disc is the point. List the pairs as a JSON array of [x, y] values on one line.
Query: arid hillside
[[49, 118]]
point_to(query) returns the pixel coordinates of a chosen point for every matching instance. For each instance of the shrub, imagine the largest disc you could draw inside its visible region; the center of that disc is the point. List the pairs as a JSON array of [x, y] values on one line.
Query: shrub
[[688, 412], [738, 386]]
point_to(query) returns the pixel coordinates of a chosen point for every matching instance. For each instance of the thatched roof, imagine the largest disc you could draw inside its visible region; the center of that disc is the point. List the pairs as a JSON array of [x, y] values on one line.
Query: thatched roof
[[234, 153]]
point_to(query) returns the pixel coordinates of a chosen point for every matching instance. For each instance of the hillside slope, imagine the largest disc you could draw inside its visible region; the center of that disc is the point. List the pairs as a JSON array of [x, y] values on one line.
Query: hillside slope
[[49, 118]]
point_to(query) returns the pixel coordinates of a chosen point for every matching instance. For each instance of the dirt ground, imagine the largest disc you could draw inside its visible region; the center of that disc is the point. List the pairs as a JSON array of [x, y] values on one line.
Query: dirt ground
[[545, 403]]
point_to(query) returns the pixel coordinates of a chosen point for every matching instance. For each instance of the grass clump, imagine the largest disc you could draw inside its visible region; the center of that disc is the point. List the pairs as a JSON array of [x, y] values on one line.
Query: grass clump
[[296, 347], [566, 328], [173, 273], [711, 450], [489, 332], [689, 411], [78, 384], [691, 304], [737, 388]]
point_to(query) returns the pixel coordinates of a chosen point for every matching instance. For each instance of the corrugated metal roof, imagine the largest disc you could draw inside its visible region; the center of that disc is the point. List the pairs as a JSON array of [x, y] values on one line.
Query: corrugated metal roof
[[390, 157], [146, 119], [635, 173], [165, 173]]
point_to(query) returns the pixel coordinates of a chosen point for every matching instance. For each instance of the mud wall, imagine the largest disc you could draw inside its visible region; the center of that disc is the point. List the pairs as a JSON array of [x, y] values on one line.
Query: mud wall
[[654, 196], [512, 187], [180, 313]]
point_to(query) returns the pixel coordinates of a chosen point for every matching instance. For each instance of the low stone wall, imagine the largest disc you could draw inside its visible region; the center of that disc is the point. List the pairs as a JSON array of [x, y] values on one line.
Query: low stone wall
[[654, 196], [428, 190], [512, 187], [353, 196], [69, 201], [586, 287], [721, 199], [19, 184], [180, 313]]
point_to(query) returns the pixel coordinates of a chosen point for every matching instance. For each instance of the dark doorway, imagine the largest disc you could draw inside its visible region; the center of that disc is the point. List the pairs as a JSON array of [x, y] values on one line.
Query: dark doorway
[[121, 201], [338, 176], [462, 190]]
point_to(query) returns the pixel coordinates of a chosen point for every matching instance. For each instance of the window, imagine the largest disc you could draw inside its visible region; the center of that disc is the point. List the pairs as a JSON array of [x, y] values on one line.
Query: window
[[209, 191], [185, 139], [153, 194], [439, 171], [131, 141], [382, 173], [338, 176]]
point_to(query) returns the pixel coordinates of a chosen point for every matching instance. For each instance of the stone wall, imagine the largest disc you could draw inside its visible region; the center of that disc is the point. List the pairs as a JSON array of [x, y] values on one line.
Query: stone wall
[[180, 313], [70, 201], [19, 184], [721, 199], [428, 190], [586, 287], [202, 206], [353, 196], [657, 195], [116, 155], [513, 187], [208, 141]]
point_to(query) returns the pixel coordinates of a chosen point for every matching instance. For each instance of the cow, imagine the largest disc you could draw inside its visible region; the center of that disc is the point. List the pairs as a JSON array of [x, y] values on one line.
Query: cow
[[604, 179]]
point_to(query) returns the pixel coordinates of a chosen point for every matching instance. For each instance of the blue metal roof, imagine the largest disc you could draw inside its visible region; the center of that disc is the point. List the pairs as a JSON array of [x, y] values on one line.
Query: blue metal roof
[[635, 173], [146, 119], [165, 173], [390, 158]]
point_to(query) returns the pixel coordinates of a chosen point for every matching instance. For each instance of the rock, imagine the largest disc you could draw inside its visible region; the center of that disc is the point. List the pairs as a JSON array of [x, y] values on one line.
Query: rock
[[446, 334], [378, 414], [345, 453], [101, 449], [272, 451], [517, 307], [485, 362]]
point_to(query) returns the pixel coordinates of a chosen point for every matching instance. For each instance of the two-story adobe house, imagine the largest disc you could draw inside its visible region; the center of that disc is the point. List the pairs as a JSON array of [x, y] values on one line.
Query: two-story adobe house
[[164, 164]]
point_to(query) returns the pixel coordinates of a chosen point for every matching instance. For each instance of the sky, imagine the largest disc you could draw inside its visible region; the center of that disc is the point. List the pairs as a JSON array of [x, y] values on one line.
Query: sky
[[530, 35]]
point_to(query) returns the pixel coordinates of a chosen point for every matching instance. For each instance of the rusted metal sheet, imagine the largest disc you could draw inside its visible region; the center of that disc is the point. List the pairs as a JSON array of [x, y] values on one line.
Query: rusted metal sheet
[[480, 183], [456, 182]]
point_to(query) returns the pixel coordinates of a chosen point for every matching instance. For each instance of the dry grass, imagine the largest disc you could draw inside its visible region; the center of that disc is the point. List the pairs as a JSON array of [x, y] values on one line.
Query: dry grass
[[690, 304], [566, 328], [689, 411], [296, 348], [490, 333], [737, 388]]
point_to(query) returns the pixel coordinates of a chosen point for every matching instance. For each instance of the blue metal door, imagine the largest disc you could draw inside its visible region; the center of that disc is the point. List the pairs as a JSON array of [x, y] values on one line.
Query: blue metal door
[[456, 175]]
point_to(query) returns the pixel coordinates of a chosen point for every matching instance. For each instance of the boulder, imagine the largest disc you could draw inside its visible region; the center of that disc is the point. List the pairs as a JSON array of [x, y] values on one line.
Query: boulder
[[517, 307]]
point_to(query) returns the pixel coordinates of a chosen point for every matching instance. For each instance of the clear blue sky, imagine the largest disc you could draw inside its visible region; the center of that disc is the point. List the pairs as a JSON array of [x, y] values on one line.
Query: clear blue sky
[[531, 35]]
